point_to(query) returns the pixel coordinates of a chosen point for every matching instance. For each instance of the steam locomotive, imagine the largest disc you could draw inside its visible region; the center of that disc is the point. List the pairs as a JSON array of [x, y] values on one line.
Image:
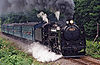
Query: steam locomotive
[[64, 38]]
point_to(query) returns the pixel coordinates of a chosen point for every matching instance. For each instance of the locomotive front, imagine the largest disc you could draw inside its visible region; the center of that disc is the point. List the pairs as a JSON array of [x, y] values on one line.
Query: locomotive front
[[70, 39]]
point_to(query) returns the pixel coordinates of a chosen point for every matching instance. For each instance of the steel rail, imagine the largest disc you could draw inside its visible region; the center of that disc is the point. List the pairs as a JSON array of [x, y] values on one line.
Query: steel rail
[[84, 61]]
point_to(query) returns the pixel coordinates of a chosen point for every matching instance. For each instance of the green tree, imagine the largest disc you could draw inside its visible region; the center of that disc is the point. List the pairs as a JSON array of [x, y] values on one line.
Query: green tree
[[87, 13]]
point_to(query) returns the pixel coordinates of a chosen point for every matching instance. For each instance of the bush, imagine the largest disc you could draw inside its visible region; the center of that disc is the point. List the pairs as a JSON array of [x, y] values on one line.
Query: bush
[[93, 49], [9, 55]]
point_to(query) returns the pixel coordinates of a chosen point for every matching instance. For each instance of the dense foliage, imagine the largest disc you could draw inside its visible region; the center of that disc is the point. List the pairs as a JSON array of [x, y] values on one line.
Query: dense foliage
[[93, 49], [21, 17], [87, 13], [9, 55]]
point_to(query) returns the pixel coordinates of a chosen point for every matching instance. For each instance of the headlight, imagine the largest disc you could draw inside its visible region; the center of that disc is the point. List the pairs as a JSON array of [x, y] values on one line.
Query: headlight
[[71, 21], [67, 22]]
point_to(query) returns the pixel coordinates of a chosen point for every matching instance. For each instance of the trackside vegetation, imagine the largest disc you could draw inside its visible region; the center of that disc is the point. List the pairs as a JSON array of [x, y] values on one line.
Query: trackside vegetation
[[9, 55], [93, 49]]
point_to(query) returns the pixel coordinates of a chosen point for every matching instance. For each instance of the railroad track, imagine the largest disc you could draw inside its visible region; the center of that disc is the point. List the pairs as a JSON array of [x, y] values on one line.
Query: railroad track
[[85, 61]]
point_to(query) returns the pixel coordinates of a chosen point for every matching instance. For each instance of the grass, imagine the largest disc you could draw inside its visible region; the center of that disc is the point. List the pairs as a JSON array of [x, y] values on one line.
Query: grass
[[9, 55], [93, 49]]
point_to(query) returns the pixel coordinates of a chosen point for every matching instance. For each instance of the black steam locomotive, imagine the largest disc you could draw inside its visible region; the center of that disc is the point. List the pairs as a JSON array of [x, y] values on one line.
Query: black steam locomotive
[[64, 38]]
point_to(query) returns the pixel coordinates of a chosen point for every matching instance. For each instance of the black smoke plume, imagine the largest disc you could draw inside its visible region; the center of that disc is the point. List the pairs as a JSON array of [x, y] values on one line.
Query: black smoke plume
[[66, 7]]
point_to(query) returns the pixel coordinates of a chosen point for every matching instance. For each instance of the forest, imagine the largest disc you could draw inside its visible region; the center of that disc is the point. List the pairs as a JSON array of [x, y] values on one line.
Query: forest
[[87, 13]]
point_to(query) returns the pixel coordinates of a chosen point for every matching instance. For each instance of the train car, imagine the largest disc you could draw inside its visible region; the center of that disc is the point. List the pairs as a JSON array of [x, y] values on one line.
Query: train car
[[21, 30], [67, 39]]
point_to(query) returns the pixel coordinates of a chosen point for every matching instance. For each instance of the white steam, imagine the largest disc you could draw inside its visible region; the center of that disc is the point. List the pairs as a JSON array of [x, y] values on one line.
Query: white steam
[[42, 53]]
